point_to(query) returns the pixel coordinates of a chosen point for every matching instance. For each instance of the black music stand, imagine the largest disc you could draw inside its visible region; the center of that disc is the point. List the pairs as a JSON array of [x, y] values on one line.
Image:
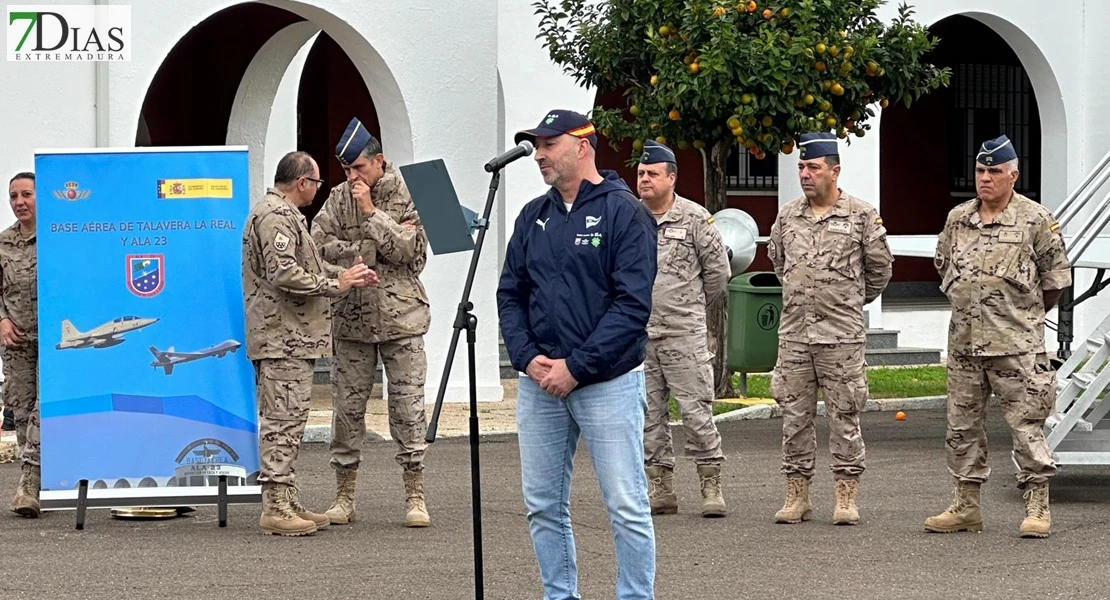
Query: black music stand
[[449, 226]]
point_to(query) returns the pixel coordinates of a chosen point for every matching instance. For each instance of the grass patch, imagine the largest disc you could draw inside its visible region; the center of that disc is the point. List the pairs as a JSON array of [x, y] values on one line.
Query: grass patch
[[882, 382]]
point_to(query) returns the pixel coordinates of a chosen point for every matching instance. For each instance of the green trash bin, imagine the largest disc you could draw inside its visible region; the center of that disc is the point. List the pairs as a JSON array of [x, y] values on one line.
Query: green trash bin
[[754, 308]]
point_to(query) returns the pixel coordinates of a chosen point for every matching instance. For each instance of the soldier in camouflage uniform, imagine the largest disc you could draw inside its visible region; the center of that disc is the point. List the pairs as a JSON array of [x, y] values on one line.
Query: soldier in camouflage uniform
[[693, 270], [372, 216], [830, 251], [287, 288], [19, 334], [1002, 264]]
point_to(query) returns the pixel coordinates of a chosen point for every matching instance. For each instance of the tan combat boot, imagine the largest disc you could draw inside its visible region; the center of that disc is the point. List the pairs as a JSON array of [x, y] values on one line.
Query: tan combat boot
[[293, 496], [846, 512], [26, 501], [712, 499], [797, 507], [661, 490], [342, 511], [1038, 519], [962, 515], [278, 517], [417, 513]]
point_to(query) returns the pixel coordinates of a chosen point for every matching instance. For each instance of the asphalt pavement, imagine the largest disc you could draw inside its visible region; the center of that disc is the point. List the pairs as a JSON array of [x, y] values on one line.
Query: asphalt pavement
[[745, 555]]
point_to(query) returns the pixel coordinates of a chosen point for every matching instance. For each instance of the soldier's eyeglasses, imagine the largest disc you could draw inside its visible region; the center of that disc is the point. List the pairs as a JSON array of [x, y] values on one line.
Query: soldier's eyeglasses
[[318, 182]]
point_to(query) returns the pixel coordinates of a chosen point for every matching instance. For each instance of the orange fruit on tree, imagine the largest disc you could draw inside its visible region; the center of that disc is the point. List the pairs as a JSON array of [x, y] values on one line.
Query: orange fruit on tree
[[767, 121], [808, 99], [830, 121], [752, 6], [820, 48], [695, 68], [635, 110], [733, 123], [787, 148], [820, 66], [884, 103], [674, 115], [664, 31], [719, 11], [747, 99], [654, 80], [699, 144], [661, 139], [637, 145], [836, 89], [768, 13], [785, 12]]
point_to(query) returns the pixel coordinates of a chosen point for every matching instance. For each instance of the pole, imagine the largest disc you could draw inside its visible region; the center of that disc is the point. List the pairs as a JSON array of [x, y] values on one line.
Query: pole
[[464, 319]]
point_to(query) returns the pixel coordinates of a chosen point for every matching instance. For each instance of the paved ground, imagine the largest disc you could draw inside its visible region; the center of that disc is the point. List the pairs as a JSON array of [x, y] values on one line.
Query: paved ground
[[743, 556]]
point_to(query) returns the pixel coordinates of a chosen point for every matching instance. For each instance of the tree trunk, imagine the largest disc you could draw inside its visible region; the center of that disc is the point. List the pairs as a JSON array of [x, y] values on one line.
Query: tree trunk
[[716, 199]]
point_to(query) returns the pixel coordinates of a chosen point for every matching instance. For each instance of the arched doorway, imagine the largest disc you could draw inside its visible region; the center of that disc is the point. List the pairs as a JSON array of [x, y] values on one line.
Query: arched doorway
[[928, 151], [218, 86]]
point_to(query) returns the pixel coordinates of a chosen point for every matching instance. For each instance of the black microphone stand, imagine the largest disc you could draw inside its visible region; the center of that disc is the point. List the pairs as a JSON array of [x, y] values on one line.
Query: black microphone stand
[[464, 319]]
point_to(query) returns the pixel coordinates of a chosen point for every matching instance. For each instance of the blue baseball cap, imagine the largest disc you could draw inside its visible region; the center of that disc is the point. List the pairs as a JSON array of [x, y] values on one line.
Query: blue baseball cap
[[560, 122]]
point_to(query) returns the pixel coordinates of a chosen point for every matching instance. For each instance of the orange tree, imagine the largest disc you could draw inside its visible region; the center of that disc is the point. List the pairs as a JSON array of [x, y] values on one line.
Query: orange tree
[[713, 74]]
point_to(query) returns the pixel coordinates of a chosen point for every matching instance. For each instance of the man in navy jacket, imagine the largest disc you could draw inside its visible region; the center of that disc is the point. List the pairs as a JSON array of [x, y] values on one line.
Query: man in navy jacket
[[574, 301]]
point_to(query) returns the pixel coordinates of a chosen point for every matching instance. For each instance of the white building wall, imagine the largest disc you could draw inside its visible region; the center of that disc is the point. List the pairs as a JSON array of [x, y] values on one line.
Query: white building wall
[[455, 80]]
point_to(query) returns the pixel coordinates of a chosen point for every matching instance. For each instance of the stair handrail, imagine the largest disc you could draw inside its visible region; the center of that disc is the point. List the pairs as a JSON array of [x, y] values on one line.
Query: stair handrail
[[1090, 230], [1079, 197]]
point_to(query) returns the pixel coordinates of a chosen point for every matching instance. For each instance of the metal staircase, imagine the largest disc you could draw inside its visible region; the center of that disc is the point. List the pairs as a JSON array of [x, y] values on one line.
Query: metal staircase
[[1076, 431]]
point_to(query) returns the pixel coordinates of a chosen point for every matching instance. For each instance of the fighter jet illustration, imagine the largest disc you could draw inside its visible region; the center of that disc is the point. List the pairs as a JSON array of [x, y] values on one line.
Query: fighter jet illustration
[[168, 358], [102, 336]]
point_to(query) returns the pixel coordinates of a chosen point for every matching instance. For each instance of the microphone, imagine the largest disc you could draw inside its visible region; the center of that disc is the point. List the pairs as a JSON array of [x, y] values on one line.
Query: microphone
[[520, 151]]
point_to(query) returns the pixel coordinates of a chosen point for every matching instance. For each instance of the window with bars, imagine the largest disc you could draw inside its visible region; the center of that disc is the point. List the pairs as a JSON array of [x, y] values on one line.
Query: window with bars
[[745, 172], [987, 101]]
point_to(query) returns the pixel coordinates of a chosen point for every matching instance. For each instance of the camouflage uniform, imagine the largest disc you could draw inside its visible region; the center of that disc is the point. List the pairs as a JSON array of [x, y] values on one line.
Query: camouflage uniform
[[287, 285], [994, 275], [19, 302], [389, 320], [693, 270], [830, 267]]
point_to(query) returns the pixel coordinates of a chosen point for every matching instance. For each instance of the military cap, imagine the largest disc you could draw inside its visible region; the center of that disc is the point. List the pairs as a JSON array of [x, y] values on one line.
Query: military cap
[[996, 151], [354, 139], [559, 122], [654, 152], [816, 145]]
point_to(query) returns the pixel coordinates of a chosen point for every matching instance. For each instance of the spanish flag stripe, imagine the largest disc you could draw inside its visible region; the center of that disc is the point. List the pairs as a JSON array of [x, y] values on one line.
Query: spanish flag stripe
[[582, 131]]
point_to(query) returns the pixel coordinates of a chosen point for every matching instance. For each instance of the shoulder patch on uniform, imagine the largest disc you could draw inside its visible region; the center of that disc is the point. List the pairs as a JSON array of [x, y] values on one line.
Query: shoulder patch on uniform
[[281, 241], [1054, 227], [878, 220], [709, 219]]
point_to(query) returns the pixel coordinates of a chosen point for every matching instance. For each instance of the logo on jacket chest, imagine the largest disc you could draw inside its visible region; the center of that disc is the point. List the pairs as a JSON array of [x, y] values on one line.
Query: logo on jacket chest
[[588, 239]]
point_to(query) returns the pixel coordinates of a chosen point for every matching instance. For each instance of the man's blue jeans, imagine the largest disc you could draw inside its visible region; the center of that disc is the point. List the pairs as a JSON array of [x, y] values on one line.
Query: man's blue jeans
[[610, 416]]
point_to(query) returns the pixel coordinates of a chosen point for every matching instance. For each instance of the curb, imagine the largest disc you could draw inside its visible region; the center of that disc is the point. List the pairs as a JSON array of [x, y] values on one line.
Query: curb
[[321, 433], [767, 411]]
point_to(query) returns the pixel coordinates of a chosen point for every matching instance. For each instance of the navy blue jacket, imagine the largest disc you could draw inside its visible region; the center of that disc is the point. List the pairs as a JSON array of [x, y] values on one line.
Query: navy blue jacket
[[578, 285]]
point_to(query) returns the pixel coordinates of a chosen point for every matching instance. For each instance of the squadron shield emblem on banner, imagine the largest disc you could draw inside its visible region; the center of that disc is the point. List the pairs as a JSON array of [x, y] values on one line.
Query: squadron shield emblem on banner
[[145, 274]]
